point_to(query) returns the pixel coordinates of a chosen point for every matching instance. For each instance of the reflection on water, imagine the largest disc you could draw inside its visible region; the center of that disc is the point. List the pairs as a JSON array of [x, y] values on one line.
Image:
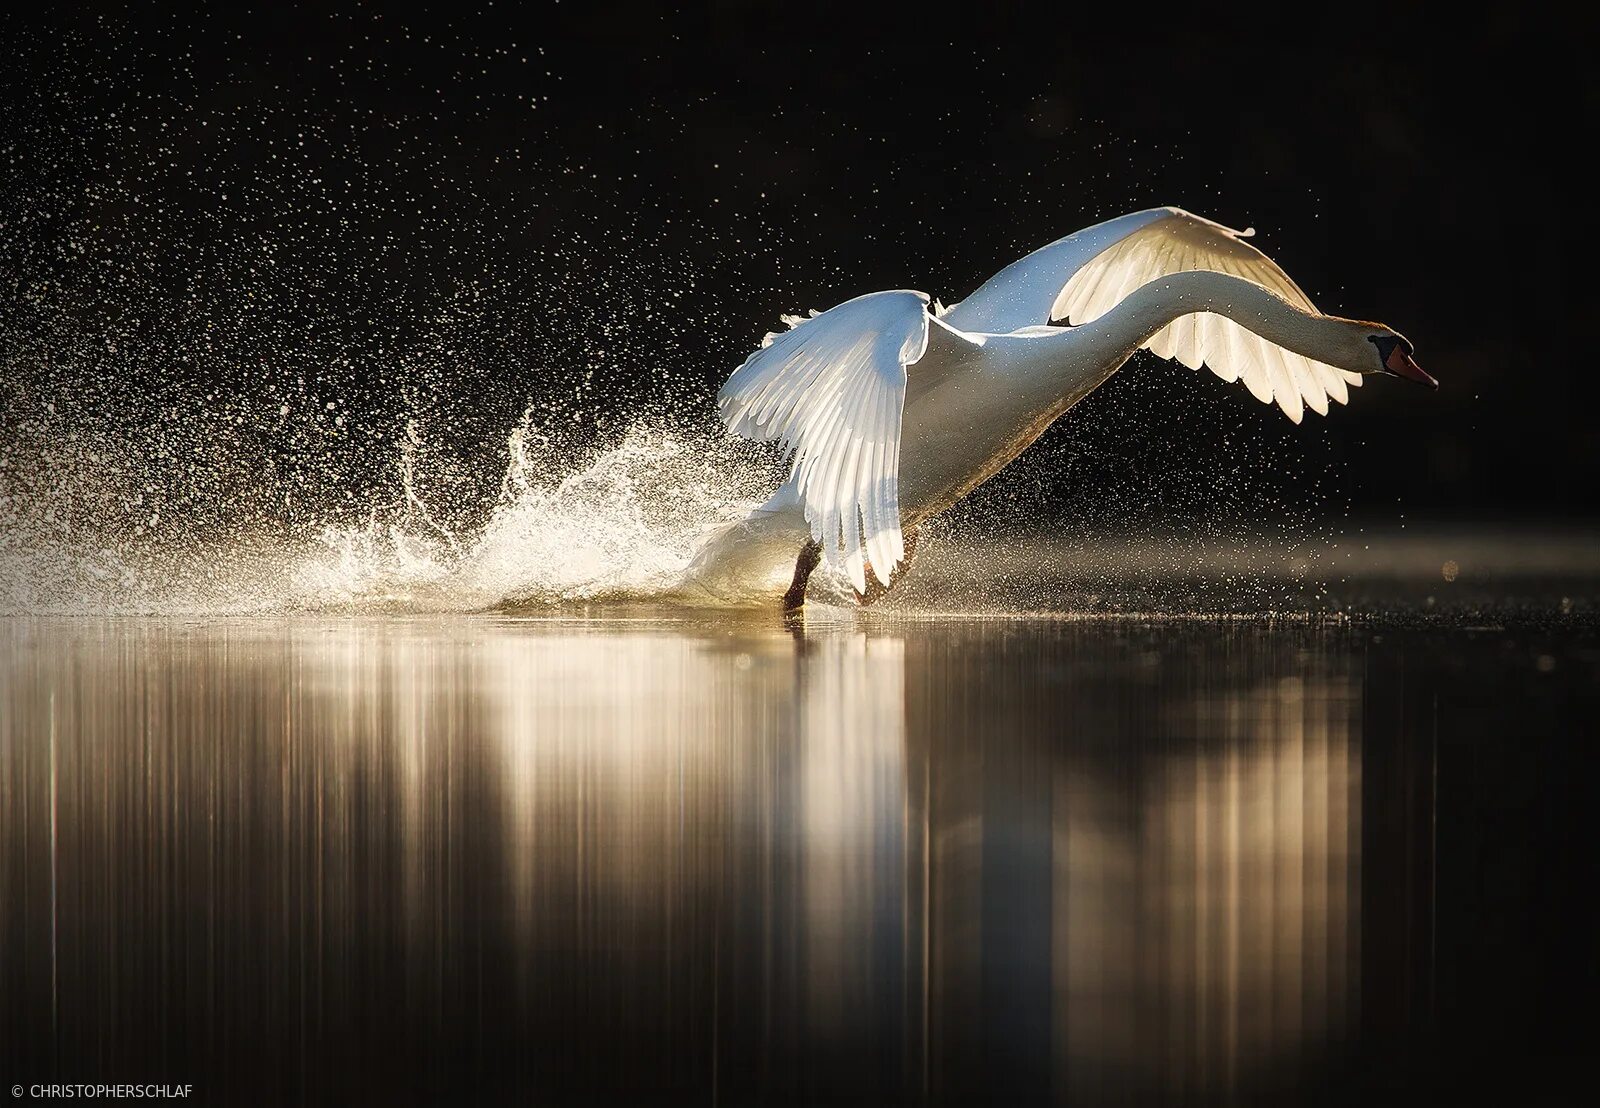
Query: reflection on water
[[594, 860]]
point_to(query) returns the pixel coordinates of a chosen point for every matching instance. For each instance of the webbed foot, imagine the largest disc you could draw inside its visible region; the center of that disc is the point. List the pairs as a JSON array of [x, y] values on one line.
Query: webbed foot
[[810, 555]]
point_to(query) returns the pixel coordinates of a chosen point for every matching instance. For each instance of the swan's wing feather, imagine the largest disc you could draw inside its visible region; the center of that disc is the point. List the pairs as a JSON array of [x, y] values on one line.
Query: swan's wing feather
[[1021, 294], [831, 391], [1085, 275], [1173, 243]]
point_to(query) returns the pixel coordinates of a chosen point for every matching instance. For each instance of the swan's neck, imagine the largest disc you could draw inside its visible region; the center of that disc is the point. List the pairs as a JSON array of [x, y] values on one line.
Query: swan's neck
[[1151, 307], [1057, 372]]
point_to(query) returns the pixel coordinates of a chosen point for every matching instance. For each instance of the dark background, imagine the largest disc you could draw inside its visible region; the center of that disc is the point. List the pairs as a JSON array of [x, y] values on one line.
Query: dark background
[[291, 214]]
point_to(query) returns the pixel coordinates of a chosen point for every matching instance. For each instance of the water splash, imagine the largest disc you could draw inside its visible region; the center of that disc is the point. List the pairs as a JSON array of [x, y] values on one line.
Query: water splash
[[617, 521], [621, 524], [249, 363]]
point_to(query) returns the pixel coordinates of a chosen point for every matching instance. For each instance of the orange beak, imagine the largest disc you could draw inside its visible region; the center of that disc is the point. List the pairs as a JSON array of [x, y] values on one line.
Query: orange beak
[[1400, 364]]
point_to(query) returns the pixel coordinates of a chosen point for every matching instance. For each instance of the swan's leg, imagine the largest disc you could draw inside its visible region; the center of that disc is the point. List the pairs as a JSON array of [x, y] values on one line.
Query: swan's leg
[[876, 590], [810, 555]]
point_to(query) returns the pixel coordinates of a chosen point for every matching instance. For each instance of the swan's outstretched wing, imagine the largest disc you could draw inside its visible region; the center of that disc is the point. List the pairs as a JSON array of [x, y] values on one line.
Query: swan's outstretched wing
[[1082, 276], [831, 390]]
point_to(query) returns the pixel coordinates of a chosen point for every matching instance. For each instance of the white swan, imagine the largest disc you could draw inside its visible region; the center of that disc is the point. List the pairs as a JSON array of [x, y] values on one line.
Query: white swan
[[893, 411]]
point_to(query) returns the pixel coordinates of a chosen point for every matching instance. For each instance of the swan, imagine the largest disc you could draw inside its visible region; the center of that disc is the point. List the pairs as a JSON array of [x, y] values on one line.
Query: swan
[[892, 407]]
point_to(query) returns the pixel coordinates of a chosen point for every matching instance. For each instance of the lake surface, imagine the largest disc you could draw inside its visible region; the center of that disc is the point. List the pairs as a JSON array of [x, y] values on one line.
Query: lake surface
[[636, 855]]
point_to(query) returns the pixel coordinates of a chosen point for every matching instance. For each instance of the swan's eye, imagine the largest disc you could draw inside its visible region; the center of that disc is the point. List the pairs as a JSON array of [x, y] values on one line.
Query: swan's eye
[[1385, 345]]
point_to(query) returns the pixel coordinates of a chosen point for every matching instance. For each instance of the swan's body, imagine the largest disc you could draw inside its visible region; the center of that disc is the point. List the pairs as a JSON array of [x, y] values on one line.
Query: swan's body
[[894, 412]]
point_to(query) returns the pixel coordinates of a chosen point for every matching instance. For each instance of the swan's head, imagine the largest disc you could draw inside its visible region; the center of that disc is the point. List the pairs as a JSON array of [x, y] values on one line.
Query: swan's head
[[1374, 348]]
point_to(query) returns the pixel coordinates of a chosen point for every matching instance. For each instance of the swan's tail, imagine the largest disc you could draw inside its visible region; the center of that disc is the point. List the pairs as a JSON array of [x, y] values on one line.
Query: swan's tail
[[749, 561]]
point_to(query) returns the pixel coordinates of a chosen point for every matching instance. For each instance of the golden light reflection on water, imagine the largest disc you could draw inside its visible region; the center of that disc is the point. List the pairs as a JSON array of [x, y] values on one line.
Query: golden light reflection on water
[[1241, 877], [896, 863]]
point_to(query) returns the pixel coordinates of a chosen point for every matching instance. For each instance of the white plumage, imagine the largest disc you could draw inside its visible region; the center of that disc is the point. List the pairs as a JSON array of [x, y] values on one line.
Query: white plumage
[[831, 390], [881, 394], [1181, 243]]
